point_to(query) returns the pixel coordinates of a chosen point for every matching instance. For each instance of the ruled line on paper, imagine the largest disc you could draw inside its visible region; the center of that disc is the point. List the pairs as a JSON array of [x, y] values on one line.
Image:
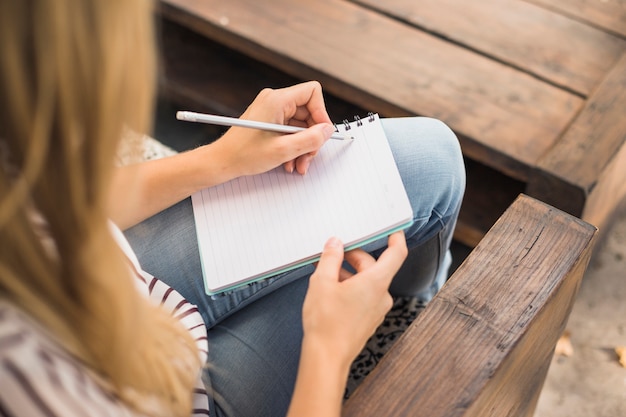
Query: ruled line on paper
[[256, 224]]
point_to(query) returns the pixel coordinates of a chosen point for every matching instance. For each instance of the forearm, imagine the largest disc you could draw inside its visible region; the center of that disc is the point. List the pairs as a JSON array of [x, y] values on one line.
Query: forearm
[[142, 190], [320, 384]]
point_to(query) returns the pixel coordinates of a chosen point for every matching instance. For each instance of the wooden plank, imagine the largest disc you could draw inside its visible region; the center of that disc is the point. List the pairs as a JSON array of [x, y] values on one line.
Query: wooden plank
[[483, 346], [488, 194], [208, 77], [591, 157], [204, 75], [607, 196], [200, 75], [544, 43], [607, 14], [506, 119]]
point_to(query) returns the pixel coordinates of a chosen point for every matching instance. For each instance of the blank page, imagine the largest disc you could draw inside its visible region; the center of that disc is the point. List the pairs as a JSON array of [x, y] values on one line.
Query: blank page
[[256, 226]]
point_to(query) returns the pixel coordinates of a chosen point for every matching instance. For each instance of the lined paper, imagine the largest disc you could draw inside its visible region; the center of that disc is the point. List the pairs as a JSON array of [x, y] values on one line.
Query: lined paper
[[256, 226]]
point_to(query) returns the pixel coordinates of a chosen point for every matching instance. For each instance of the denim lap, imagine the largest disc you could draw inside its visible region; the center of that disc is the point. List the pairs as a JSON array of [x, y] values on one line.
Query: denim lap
[[254, 351]]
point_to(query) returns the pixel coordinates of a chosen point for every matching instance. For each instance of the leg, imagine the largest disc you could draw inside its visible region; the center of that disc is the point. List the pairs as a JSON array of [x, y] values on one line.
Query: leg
[[254, 351], [167, 247], [431, 166], [254, 354], [261, 343], [430, 162]]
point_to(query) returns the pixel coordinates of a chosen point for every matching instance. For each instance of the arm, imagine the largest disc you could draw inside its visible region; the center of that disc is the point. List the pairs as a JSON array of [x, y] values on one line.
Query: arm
[[341, 311], [141, 190]]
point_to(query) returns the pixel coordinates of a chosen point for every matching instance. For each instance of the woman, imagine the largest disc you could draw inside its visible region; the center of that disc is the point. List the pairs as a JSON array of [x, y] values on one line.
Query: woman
[[80, 333]]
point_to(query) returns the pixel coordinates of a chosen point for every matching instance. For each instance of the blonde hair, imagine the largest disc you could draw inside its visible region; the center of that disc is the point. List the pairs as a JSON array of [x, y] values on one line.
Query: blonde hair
[[74, 76]]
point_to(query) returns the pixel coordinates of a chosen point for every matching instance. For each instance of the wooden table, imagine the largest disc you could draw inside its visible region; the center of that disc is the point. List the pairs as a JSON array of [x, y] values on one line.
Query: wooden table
[[535, 89]]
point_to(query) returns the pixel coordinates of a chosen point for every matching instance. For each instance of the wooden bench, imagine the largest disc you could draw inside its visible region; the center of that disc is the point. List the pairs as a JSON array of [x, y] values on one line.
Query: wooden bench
[[535, 89], [483, 345]]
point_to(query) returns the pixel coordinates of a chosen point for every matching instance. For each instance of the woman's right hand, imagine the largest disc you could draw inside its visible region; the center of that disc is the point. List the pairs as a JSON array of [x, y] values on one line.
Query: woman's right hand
[[250, 151]]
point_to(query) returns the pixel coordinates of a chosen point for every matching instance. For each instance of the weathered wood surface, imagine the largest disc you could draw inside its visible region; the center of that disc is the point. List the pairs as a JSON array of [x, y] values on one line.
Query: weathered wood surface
[[487, 195], [203, 76], [484, 344], [510, 78], [506, 118], [549, 45], [585, 173], [208, 77], [607, 14]]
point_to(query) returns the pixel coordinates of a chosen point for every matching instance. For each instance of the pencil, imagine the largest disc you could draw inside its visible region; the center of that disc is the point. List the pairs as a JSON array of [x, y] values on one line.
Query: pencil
[[232, 121]]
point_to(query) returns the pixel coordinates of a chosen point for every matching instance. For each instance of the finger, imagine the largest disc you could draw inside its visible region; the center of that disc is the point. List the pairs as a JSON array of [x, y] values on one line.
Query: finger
[[359, 259], [329, 265], [305, 121], [303, 117], [392, 258], [344, 275], [303, 162], [308, 141], [289, 166], [397, 250], [307, 95]]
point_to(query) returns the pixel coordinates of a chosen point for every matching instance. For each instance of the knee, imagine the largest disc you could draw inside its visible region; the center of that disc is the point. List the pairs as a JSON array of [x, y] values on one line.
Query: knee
[[431, 164], [450, 167]]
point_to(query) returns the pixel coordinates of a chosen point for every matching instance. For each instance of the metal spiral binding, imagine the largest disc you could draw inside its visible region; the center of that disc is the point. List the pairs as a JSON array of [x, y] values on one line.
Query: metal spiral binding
[[357, 119]]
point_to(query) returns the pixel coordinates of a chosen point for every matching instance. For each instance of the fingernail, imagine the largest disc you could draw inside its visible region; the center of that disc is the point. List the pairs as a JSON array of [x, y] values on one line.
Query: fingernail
[[333, 242], [329, 130], [307, 162]]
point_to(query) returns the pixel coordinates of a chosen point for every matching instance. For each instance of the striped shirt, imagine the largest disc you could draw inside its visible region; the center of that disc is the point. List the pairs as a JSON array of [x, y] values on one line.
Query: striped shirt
[[38, 377]]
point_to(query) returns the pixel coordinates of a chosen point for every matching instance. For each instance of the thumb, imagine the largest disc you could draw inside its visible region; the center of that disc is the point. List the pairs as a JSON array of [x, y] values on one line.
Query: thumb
[[320, 134], [330, 262], [312, 138]]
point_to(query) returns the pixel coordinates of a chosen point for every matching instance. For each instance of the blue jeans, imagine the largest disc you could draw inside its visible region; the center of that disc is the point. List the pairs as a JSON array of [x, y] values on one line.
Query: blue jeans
[[255, 332]]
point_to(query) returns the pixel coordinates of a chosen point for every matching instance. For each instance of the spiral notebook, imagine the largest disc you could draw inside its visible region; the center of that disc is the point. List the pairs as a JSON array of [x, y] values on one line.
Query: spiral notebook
[[254, 227]]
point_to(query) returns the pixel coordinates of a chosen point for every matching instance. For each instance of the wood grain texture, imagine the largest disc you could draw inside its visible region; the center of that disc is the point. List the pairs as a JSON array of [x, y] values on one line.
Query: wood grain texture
[[201, 75], [607, 14], [483, 345], [487, 195], [506, 118], [570, 172], [606, 197], [544, 43], [208, 77]]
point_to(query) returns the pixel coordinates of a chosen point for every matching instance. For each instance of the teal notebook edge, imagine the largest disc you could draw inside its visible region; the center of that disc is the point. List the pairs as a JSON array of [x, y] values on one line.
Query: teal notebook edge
[[299, 264]]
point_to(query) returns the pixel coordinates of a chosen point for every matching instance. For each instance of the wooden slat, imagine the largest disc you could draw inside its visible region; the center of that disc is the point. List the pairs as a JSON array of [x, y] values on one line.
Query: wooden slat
[[483, 346], [607, 196], [487, 195], [208, 77], [607, 14], [205, 76], [547, 44], [200, 75], [590, 157], [505, 118]]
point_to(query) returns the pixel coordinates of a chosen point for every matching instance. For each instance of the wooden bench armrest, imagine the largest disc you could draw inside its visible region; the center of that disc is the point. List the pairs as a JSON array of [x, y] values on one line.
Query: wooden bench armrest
[[484, 344]]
